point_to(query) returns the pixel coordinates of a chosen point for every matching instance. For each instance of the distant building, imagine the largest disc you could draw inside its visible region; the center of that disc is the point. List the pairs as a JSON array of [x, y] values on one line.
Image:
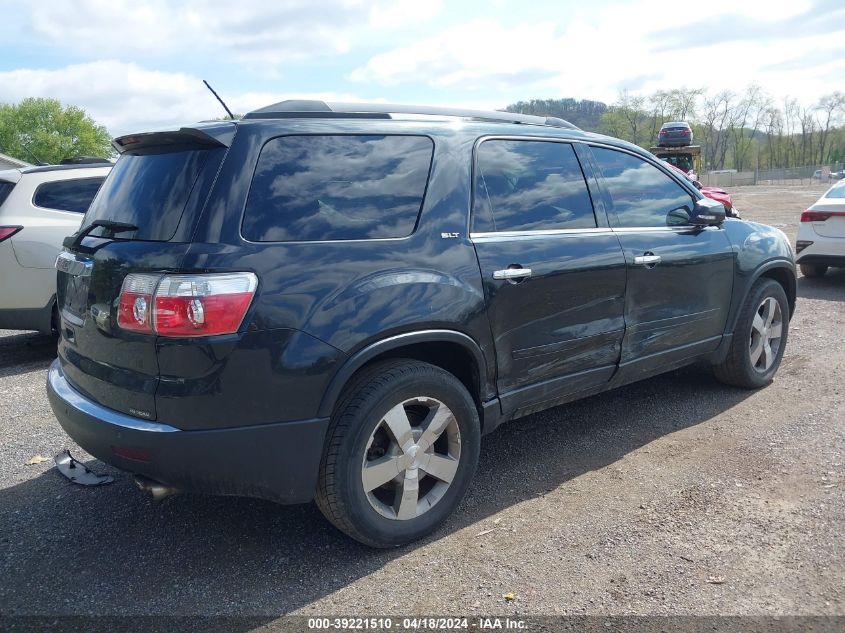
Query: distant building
[[7, 162]]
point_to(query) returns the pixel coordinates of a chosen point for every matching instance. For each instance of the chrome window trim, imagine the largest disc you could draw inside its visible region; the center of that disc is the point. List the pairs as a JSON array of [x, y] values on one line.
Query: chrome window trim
[[593, 231], [541, 232], [655, 229]]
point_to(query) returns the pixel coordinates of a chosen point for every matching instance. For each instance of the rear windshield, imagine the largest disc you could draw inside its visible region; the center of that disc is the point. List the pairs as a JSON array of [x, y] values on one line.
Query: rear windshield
[[149, 188], [5, 190], [837, 191], [332, 187]]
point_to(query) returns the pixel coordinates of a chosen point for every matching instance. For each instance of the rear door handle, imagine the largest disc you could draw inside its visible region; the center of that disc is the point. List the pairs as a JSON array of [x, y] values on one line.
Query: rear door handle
[[512, 273], [649, 260]]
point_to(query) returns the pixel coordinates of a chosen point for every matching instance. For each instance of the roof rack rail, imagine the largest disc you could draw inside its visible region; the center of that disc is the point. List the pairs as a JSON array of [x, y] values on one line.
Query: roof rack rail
[[298, 108]]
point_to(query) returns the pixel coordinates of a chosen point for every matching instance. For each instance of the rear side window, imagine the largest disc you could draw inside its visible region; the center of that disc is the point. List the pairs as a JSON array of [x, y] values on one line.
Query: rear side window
[[67, 195], [529, 186], [641, 195], [5, 190], [149, 188], [308, 188]]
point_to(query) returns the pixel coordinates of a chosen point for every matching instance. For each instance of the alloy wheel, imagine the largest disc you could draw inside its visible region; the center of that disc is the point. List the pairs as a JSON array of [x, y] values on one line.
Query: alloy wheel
[[766, 331], [411, 459]]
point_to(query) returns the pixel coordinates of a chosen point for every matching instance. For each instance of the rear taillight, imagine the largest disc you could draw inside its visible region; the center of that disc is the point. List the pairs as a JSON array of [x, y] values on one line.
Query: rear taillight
[[8, 231], [136, 303], [202, 305], [186, 305], [820, 216]]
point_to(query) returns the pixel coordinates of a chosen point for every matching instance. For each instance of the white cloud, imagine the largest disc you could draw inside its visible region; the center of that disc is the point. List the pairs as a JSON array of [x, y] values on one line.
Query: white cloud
[[403, 12], [598, 53], [250, 31], [126, 97]]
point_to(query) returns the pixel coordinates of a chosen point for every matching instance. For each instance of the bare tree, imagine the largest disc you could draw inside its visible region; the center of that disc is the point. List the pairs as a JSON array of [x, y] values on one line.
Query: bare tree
[[683, 102], [659, 111], [829, 107], [790, 117], [808, 128], [747, 118], [716, 111], [630, 107], [774, 133]]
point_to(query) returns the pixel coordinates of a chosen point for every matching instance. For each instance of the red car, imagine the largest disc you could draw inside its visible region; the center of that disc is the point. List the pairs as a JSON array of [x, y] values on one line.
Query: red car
[[714, 193]]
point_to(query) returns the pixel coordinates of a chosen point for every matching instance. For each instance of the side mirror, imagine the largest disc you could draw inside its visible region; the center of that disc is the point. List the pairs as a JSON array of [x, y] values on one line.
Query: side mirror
[[696, 184], [707, 212]]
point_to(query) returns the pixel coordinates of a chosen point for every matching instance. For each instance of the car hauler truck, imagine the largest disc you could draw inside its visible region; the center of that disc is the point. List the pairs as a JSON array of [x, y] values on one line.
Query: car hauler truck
[[686, 158]]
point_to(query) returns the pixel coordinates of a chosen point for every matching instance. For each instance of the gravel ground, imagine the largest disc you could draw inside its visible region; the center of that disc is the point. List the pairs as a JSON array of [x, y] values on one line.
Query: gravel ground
[[675, 495]]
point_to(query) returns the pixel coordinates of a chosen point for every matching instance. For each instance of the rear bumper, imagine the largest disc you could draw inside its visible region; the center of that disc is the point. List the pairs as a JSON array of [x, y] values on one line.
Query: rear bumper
[[279, 462], [826, 251]]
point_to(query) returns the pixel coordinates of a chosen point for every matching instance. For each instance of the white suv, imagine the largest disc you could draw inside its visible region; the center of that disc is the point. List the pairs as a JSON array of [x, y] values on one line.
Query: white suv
[[39, 206], [821, 234]]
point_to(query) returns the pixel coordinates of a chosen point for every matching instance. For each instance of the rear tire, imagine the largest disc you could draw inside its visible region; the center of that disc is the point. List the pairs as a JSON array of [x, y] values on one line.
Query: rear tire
[[400, 453], [759, 338], [813, 270]]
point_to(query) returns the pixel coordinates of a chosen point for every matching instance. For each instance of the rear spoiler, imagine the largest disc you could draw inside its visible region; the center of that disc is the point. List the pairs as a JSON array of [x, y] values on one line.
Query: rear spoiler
[[208, 135], [10, 175]]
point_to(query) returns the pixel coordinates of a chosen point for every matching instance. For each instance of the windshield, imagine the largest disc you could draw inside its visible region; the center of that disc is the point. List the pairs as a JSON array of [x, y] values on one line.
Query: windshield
[[149, 189]]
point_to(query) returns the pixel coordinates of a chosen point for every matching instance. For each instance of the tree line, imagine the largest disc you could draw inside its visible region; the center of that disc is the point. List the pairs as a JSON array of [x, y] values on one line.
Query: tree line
[[43, 131], [739, 131]]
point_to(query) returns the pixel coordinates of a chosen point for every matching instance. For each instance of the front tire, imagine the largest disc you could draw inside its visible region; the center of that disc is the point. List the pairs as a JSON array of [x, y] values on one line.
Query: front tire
[[401, 451], [813, 270], [759, 338]]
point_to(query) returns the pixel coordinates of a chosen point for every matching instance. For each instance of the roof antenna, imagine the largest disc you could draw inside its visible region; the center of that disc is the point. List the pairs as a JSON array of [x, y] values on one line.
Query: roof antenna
[[231, 116], [29, 151]]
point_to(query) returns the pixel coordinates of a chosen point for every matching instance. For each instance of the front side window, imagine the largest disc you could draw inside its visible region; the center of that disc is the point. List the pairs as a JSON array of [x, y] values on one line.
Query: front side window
[[641, 195], [529, 186], [67, 195], [333, 187]]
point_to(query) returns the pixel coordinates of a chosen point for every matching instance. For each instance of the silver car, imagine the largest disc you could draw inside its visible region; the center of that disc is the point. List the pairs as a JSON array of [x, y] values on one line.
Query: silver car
[[39, 207]]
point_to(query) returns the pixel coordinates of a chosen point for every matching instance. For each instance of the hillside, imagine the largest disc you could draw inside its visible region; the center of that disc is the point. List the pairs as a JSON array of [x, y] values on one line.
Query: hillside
[[584, 113]]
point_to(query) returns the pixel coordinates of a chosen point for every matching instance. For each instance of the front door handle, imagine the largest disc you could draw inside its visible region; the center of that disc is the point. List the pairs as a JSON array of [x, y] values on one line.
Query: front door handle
[[512, 273], [649, 260]]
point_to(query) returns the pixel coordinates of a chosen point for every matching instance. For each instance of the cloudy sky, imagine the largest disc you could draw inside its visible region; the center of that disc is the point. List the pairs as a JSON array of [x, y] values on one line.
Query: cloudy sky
[[136, 65]]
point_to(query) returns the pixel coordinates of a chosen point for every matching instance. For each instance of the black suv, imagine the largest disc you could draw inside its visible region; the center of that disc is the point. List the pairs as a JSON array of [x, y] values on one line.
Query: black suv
[[336, 301]]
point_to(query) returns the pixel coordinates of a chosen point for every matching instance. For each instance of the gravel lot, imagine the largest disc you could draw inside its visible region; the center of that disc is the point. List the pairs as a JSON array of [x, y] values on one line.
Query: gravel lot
[[676, 495]]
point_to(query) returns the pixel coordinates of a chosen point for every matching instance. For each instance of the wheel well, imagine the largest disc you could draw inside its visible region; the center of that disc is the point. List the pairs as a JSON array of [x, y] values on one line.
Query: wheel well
[[785, 278], [451, 357]]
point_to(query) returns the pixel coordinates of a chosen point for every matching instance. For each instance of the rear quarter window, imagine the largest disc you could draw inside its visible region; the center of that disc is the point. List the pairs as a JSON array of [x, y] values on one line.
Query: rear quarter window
[[337, 187], [67, 195], [5, 190]]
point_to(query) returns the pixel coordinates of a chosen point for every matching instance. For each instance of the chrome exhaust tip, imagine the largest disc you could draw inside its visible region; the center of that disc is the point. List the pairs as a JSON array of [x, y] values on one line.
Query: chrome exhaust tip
[[156, 490]]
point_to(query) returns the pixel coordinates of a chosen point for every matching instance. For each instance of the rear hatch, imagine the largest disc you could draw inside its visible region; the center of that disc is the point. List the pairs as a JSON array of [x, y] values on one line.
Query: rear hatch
[[141, 221]]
